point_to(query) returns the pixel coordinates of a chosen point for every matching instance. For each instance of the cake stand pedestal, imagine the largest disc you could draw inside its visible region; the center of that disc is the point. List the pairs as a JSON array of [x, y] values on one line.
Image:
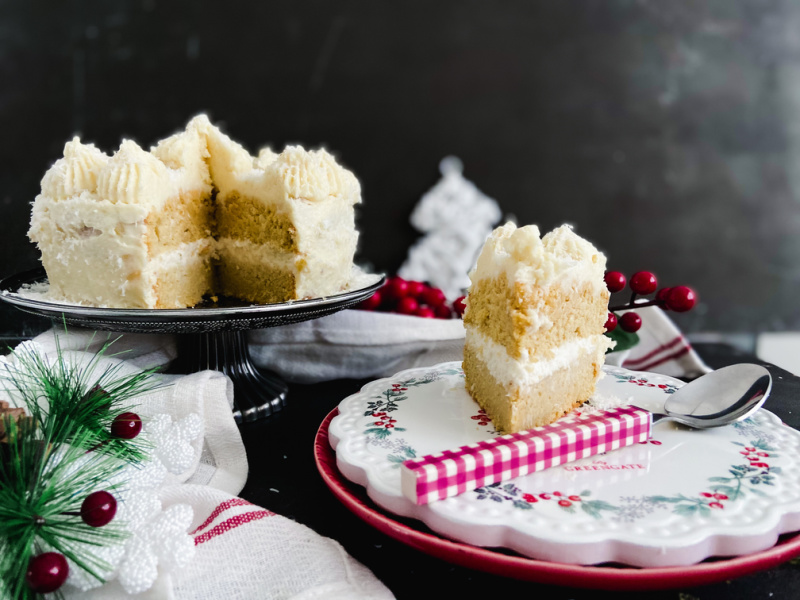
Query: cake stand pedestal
[[258, 393], [208, 336]]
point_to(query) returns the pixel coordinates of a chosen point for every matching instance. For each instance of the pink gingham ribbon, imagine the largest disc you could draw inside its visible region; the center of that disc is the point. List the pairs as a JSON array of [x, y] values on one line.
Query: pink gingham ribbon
[[452, 472]]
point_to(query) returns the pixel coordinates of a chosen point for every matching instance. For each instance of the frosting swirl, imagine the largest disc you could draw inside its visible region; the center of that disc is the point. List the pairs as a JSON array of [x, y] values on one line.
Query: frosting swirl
[[132, 176], [311, 175], [75, 173]]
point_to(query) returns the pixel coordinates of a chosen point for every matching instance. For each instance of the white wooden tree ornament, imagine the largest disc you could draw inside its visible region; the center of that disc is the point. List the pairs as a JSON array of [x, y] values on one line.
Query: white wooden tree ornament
[[455, 218]]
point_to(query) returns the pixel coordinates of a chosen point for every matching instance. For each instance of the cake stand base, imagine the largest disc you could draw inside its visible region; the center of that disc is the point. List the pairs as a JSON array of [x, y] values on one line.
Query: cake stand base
[[256, 393]]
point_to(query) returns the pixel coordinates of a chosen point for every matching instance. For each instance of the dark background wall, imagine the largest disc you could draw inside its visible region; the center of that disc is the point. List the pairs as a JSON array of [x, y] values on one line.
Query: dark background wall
[[668, 133]]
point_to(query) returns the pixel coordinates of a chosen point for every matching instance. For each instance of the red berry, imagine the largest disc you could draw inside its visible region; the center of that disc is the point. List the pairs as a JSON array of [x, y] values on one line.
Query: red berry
[[564, 503], [371, 303], [615, 281], [395, 288], [433, 297], [575, 498], [97, 389], [459, 305], [98, 509], [443, 312], [643, 282], [425, 312], [661, 297], [415, 288], [681, 298], [47, 572], [630, 322], [126, 426], [407, 305], [611, 322]]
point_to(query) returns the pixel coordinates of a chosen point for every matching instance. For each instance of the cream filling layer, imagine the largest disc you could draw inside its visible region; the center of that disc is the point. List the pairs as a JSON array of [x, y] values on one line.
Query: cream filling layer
[[524, 373], [184, 256], [235, 250]]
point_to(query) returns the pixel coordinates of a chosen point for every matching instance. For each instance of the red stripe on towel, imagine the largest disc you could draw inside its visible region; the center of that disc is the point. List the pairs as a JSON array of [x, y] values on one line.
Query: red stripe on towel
[[232, 523], [637, 362], [219, 510], [662, 360]]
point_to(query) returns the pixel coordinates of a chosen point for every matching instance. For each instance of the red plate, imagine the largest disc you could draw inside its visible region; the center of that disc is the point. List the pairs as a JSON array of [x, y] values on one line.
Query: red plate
[[354, 497]]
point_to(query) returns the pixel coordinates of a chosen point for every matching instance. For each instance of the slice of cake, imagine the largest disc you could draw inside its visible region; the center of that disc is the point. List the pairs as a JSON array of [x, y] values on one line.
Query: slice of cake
[[535, 317], [195, 216], [285, 222]]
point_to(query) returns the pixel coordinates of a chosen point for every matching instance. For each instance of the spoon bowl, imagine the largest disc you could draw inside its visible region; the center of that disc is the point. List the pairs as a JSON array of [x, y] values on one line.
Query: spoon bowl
[[718, 398]]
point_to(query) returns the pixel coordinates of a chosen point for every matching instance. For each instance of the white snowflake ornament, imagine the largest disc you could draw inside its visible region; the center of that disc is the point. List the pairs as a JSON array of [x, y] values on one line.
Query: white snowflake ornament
[[172, 441], [162, 541]]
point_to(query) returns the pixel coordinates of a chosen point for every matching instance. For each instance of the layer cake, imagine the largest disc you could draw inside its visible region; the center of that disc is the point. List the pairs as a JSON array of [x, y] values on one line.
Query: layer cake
[[195, 216]]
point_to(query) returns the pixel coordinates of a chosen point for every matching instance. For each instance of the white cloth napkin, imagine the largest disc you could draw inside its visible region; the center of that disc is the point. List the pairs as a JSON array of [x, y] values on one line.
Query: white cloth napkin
[[241, 551], [356, 344]]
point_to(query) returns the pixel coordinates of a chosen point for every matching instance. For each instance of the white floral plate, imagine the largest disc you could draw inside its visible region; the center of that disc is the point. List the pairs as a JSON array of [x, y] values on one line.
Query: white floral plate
[[684, 496]]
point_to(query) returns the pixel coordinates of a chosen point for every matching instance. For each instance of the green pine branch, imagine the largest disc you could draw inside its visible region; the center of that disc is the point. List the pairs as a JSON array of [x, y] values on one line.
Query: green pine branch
[[79, 397], [50, 462], [42, 487]]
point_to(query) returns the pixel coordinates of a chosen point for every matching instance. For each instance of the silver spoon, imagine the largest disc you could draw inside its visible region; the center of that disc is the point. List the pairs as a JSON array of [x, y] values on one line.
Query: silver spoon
[[723, 396]]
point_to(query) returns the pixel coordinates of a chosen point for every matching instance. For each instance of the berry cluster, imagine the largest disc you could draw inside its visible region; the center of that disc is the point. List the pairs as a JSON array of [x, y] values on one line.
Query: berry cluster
[[643, 283], [564, 501], [415, 298], [482, 418], [48, 571], [756, 457], [714, 499], [384, 420]]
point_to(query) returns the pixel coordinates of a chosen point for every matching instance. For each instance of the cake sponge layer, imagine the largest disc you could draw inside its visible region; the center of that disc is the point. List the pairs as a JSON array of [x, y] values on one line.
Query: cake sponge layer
[[534, 322], [513, 407]]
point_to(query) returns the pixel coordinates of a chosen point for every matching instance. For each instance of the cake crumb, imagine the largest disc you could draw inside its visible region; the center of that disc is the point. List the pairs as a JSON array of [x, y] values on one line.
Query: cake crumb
[[601, 401]]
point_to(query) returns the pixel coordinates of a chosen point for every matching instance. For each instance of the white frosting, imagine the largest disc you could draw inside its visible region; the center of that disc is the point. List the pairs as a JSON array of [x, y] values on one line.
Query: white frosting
[[281, 179], [76, 172], [265, 158], [524, 372], [186, 153], [312, 176], [133, 176], [559, 256]]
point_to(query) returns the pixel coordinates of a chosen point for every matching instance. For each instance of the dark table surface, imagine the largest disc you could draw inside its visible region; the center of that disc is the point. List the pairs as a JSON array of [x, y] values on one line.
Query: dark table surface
[[284, 478]]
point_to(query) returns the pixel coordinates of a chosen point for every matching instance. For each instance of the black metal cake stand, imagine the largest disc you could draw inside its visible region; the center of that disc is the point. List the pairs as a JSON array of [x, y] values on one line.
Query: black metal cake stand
[[208, 336]]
